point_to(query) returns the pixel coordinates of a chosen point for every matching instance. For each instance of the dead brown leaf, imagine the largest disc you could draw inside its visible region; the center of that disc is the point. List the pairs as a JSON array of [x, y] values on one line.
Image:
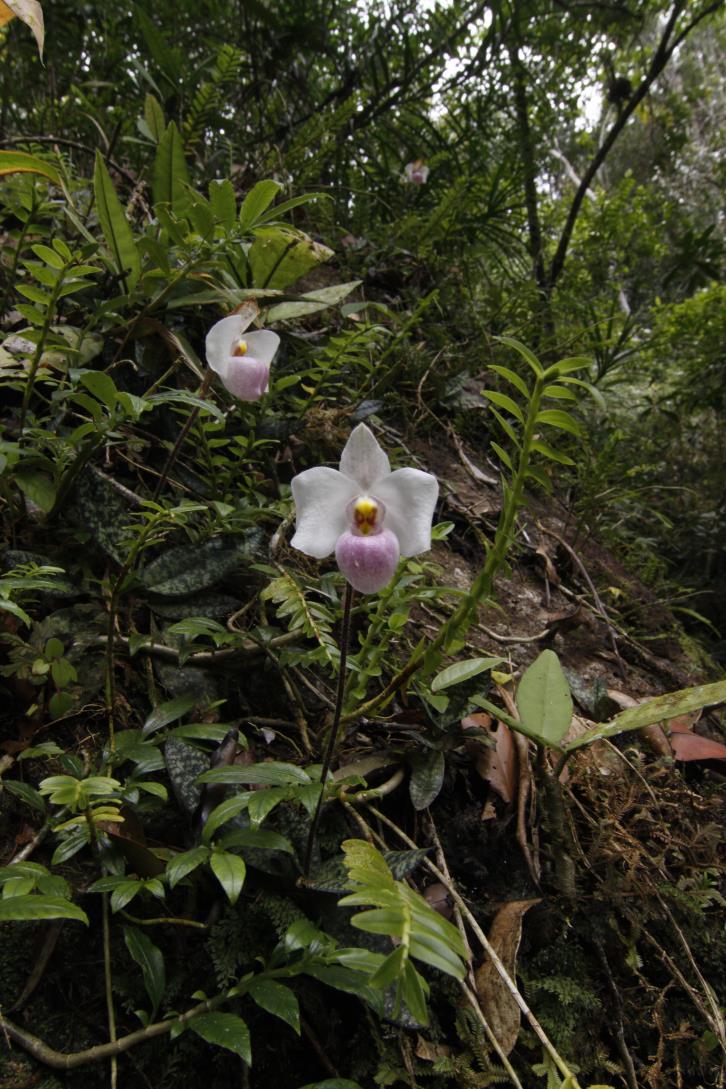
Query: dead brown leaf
[[498, 766], [429, 1051], [497, 1004], [689, 746]]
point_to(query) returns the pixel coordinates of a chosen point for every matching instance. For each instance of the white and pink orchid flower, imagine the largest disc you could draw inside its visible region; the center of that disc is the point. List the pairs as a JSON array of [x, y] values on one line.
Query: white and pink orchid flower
[[366, 514], [416, 172], [242, 360]]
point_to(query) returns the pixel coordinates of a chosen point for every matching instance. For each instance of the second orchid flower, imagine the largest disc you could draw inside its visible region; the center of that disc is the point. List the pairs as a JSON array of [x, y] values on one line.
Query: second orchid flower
[[242, 360]]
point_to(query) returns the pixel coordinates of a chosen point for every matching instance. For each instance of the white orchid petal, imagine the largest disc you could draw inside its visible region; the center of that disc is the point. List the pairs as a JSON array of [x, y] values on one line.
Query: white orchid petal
[[222, 339], [262, 345], [244, 377], [321, 499], [409, 496], [363, 460]]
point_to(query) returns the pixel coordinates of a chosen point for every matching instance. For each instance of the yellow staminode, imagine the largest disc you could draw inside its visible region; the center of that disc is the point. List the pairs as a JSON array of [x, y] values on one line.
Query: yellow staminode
[[365, 514], [241, 348]]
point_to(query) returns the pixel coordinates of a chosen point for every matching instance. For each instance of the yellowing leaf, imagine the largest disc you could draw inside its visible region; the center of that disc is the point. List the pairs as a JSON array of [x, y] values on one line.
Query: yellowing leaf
[[29, 12], [19, 162]]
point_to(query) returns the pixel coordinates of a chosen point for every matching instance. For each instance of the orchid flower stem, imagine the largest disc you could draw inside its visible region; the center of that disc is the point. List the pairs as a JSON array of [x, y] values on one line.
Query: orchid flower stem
[[186, 428], [108, 985], [40, 348], [335, 726]]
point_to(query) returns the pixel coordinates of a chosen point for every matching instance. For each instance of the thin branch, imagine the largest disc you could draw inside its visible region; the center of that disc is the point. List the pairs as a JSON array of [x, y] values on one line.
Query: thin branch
[[70, 1060], [661, 56]]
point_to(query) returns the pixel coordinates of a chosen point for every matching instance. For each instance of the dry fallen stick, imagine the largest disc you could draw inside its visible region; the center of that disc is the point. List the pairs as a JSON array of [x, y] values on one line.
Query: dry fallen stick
[[525, 786]]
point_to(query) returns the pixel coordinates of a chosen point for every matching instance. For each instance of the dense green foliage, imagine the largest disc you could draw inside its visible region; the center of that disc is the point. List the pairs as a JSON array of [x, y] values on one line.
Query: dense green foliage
[[546, 296]]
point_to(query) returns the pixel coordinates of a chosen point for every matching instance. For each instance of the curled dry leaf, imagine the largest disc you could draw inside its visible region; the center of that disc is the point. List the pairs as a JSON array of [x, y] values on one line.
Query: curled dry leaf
[[497, 1004], [29, 12], [549, 566], [439, 899], [429, 1051], [498, 766], [689, 746]]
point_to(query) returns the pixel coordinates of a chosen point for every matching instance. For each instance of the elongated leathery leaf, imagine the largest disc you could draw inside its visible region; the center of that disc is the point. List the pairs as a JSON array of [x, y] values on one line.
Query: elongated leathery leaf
[[116, 230]]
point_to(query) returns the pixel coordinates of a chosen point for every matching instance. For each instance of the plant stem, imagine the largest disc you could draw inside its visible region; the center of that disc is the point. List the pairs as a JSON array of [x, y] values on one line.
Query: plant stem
[[35, 362], [337, 718], [108, 986], [190, 421]]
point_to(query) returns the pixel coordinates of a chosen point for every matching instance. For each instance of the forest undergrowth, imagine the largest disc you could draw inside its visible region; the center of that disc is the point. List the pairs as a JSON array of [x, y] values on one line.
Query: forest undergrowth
[[408, 771]]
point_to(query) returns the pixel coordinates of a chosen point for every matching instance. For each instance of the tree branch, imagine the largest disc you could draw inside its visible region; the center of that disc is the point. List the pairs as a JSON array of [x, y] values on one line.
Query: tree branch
[[69, 1060], [661, 56]]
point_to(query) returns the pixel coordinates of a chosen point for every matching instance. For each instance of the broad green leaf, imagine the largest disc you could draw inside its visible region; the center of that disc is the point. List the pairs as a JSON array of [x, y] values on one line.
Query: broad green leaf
[[557, 417], [45, 253], [116, 230], [29, 12], [277, 999], [183, 864], [280, 255], [390, 969], [565, 366], [262, 802], [38, 487], [505, 426], [589, 388], [287, 205], [151, 962], [543, 699], [378, 920], [512, 377], [660, 709], [230, 871], [168, 712], [547, 451], [505, 402], [25, 792], [154, 117], [225, 1030], [224, 812], [101, 386], [502, 455], [258, 838], [559, 393], [257, 201], [413, 991], [311, 302], [462, 671], [39, 907], [18, 886], [170, 183], [527, 355], [223, 202], [274, 772], [124, 893]]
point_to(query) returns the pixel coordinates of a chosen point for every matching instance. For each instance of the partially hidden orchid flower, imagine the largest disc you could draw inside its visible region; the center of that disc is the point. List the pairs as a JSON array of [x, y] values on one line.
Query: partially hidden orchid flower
[[242, 360], [416, 172], [366, 514]]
